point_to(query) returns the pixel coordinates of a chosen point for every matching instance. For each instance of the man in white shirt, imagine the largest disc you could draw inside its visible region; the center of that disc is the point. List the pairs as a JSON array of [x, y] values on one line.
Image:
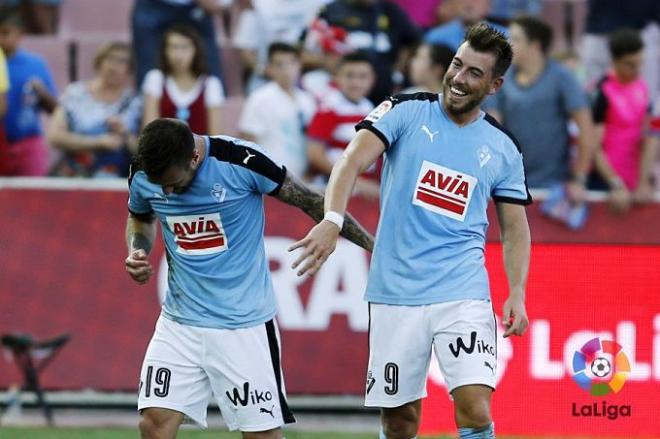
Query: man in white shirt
[[276, 114]]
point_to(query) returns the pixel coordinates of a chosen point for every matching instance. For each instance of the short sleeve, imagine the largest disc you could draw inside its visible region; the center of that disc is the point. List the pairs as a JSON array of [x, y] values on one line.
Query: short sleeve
[[251, 121], [4, 77], [573, 95], [137, 204], [153, 84], [255, 168], [511, 186], [214, 96], [385, 121]]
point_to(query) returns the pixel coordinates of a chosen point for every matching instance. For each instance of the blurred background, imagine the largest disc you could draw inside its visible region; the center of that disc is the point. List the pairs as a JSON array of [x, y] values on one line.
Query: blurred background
[[80, 78]]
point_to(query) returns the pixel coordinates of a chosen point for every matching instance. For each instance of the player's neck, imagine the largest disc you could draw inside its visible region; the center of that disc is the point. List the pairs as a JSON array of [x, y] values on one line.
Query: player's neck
[[462, 119]]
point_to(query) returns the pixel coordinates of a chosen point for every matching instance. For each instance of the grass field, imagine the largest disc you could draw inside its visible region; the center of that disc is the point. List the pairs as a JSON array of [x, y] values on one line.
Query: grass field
[[124, 433]]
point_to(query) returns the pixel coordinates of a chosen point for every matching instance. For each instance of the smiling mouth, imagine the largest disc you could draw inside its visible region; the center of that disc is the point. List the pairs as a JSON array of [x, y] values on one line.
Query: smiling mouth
[[457, 93]]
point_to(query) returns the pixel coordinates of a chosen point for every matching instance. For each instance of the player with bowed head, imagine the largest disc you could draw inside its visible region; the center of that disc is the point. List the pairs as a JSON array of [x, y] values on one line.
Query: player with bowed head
[[216, 334], [428, 286]]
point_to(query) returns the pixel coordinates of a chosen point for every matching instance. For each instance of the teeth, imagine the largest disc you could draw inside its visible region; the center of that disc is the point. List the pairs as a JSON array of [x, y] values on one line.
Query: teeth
[[457, 92]]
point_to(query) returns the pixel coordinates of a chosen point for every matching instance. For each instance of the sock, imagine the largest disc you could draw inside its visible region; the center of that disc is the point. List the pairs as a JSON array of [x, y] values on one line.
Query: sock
[[477, 433], [381, 435]]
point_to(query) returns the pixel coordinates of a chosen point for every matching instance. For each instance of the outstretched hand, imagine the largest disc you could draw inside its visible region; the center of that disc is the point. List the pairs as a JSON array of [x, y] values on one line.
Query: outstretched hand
[[319, 243]]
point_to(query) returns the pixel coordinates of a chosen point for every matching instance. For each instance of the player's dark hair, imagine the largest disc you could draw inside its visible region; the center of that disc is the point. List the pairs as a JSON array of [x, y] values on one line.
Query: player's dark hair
[[279, 47], [198, 66], [625, 42], [10, 15], [164, 143], [484, 38], [535, 30], [359, 56], [441, 55]]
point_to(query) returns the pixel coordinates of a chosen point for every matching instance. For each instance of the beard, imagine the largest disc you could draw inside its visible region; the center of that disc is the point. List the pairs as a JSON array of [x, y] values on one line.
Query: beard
[[472, 100]]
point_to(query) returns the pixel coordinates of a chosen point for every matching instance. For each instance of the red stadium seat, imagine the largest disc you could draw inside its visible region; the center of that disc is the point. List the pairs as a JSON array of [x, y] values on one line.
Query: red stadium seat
[[96, 17]]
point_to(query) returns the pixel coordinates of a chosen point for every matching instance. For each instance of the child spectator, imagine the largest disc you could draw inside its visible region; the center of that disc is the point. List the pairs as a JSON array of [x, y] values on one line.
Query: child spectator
[[428, 66], [182, 88], [626, 155], [333, 125], [31, 90], [276, 114], [96, 121]]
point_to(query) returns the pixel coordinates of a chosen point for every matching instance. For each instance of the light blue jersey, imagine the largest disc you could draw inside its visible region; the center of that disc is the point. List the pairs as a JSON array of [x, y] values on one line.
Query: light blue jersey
[[213, 234], [436, 182]]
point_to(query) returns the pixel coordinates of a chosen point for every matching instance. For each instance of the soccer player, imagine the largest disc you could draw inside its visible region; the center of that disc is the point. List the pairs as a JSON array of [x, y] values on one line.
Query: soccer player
[[428, 286], [216, 334]]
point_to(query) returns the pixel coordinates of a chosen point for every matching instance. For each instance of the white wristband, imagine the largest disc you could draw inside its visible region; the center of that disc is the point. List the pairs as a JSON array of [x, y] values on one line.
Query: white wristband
[[335, 218]]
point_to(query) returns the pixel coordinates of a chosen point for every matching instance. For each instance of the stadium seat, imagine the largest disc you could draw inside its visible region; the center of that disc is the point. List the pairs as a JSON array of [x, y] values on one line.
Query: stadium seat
[[32, 357], [55, 51], [231, 113], [232, 71], [81, 18]]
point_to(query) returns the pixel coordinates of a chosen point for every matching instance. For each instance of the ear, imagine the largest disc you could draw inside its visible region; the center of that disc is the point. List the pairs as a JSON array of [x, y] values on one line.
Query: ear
[[195, 158], [495, 85]]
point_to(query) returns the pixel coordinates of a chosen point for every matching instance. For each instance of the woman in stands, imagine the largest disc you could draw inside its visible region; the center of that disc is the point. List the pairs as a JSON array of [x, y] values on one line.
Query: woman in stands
[[182, 87], [96, 121]]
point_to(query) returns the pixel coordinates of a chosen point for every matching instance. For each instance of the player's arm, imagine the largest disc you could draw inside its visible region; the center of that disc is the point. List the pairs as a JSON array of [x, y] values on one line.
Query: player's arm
[[295, 193], [645, 192], [516, 243], [585, 153], [320, 242], [140, 236]]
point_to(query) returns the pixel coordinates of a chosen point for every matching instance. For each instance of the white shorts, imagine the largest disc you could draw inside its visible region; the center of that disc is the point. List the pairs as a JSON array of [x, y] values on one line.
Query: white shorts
[[463, 334], [185, 365]]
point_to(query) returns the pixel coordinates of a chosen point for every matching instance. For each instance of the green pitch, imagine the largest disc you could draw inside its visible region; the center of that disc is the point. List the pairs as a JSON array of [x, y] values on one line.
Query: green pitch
[[123, 433]]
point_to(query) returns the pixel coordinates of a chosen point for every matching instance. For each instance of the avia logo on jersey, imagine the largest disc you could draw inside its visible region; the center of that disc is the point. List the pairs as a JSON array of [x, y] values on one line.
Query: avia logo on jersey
[[198, 234], [443, 190]]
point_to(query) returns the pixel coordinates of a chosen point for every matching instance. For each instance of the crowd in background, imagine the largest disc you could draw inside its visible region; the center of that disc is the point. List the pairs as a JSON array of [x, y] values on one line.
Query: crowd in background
[[313, 68]]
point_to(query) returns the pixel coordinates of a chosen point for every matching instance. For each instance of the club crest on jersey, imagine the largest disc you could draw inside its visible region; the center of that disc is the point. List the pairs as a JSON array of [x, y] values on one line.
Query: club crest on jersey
[[198, 234], [379, 111], [443, 190], [218, 193]]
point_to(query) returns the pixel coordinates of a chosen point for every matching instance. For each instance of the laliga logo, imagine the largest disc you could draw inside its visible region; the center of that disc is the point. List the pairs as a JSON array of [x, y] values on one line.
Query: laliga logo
[[504, 354], [605, 359]]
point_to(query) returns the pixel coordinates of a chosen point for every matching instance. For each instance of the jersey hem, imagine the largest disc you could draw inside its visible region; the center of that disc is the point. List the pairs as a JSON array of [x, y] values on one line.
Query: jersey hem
[[250, 324], [427, 301]]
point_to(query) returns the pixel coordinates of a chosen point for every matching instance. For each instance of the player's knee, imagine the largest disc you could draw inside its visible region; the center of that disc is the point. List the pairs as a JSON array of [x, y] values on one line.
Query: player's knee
[[154, 427], [401, 424], [473, 414]]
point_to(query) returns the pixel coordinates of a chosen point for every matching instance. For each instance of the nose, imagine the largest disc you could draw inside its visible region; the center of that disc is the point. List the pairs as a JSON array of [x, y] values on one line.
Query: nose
[[459, 78]]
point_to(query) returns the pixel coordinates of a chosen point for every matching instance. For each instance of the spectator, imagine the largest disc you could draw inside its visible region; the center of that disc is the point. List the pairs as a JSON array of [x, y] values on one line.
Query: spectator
[[96, 121], [422, 12], [536, 102], [276, 114], [32, 89], [182, 88], [39, 16], [625, 158], [428, 68], [270, 21], [4, 87], [605, 17], [378, 27], [152, 17], [451, 34], [503, 11], [333, 125]]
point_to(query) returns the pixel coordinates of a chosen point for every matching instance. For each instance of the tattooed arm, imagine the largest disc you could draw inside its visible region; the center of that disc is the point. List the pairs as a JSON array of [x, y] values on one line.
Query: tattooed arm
[[295, 193], [140, 236]]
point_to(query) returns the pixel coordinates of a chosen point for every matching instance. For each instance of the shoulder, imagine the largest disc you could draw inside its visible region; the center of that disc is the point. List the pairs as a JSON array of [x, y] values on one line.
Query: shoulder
[[263, 92], [410, 100], [560, 72], [245, 154], [503, 135], [153, 79], [75, 91], [136, 175]]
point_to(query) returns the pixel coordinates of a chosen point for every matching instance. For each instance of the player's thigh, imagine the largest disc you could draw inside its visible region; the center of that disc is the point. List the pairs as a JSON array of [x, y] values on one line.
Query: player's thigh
[[465, 342], [244, 367], [172, 376], [399, 354]]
